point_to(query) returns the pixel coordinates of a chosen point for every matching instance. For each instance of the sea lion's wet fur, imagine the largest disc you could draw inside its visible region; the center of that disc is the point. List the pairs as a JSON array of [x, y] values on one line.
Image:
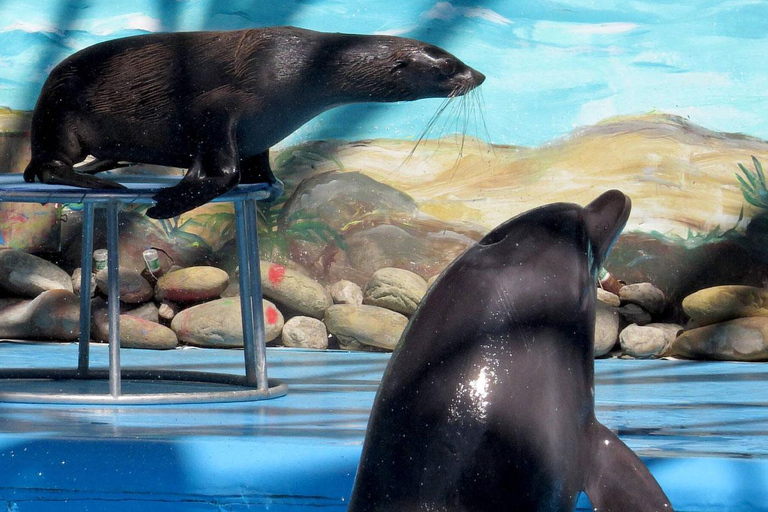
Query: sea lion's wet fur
[[488, 401], [215, 102]]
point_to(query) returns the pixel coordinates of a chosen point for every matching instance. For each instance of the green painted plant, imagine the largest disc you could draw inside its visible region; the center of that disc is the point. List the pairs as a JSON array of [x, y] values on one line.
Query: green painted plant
[[173, 229], [695, 239], [276, 233], [753, 186]]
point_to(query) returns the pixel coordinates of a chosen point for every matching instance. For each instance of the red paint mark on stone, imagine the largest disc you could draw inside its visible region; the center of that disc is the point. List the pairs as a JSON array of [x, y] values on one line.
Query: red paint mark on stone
[[271, 316], [276, 274]]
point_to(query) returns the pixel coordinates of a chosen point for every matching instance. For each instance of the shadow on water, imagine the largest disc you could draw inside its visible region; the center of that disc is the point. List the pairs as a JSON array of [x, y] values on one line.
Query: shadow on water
[[169, 13], [672, 378], [14, 137], [254, 14], [67, 13]]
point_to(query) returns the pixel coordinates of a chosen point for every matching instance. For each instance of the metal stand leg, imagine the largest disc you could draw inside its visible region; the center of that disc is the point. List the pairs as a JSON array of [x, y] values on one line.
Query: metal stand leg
[[246, 301], [114, 300], [86, 264], [252, 238]]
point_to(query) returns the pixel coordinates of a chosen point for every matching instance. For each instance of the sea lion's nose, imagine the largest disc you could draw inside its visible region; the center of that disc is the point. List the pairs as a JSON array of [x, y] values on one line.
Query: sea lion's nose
[[477, 77]]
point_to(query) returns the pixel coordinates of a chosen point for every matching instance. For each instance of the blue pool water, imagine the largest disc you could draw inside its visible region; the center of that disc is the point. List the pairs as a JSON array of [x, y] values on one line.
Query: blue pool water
[[700, 427]]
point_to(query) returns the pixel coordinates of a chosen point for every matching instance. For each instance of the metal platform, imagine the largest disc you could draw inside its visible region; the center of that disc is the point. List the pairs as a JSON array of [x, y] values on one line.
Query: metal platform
[[210, 386], [701, 427]]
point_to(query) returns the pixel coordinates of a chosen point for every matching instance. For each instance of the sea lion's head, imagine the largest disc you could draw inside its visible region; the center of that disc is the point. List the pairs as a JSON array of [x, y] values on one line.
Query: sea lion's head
[[425, 71], [389, 68]]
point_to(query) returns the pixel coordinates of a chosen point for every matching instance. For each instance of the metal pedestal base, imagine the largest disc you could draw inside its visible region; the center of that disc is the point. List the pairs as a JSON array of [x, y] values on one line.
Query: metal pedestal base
[[146, 384]]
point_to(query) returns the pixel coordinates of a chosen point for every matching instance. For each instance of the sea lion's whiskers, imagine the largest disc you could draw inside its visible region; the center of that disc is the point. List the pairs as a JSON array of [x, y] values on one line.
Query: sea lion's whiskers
[[430, 124], [451, 123], [480, 99], [458, 120], [461, 117], [478, 129]]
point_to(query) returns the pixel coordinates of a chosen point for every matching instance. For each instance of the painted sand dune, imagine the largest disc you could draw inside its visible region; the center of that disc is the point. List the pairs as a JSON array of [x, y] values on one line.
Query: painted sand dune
[[680, 176]]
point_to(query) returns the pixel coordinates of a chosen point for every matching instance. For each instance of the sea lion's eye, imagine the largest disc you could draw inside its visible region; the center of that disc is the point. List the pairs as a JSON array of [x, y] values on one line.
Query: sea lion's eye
[[400, 63], [447, 67]]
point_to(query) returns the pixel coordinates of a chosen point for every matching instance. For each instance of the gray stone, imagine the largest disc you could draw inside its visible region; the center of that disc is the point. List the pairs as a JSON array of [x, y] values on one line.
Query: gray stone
[[192, 284], [367, 325], [138, 327], [395, 289], [147, 311], [305, 332], [742, 339], [134, 289], [642, 341], [336, 197], [382, 227], [52, 315], [606, 328], [233, 289], [721, 303], [671, 331], [26, 275], [608, 298], [218, 323], [347, 292], [76, 275], [167, 310], [634, 314], [139, 333], [644, 295], [294, 290]]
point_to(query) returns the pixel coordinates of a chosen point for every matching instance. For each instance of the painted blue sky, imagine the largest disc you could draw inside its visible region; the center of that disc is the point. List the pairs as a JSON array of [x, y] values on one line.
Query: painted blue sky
[[551, 65]]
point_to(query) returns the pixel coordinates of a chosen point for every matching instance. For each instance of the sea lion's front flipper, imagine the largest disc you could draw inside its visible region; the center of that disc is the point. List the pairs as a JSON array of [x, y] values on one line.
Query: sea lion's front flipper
[[256, 169], [618, 481], [215, 170], [187, 195]]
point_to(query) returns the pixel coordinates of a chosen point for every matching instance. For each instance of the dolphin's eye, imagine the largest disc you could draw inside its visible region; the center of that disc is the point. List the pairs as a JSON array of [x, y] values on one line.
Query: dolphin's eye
[[447, 67]]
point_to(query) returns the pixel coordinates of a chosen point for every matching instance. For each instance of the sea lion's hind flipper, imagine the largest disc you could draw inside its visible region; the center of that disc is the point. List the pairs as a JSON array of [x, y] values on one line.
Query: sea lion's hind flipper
[[618, 481], [97, 166], [56, 172], [187, 195]]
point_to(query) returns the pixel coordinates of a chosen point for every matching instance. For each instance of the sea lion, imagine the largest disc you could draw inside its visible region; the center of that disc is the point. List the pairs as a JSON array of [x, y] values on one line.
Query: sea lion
[[488, 401], [215, 102]]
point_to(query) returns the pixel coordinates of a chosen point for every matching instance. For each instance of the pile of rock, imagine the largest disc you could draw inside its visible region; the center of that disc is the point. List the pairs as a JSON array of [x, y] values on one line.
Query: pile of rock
[[628, 318], [184, 305], [727, 323], [39, 299], [196, 306], [355, 319]]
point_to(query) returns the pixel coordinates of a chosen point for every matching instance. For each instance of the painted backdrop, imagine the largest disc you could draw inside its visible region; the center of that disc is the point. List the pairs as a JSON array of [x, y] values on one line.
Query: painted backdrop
[[663, 100]]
